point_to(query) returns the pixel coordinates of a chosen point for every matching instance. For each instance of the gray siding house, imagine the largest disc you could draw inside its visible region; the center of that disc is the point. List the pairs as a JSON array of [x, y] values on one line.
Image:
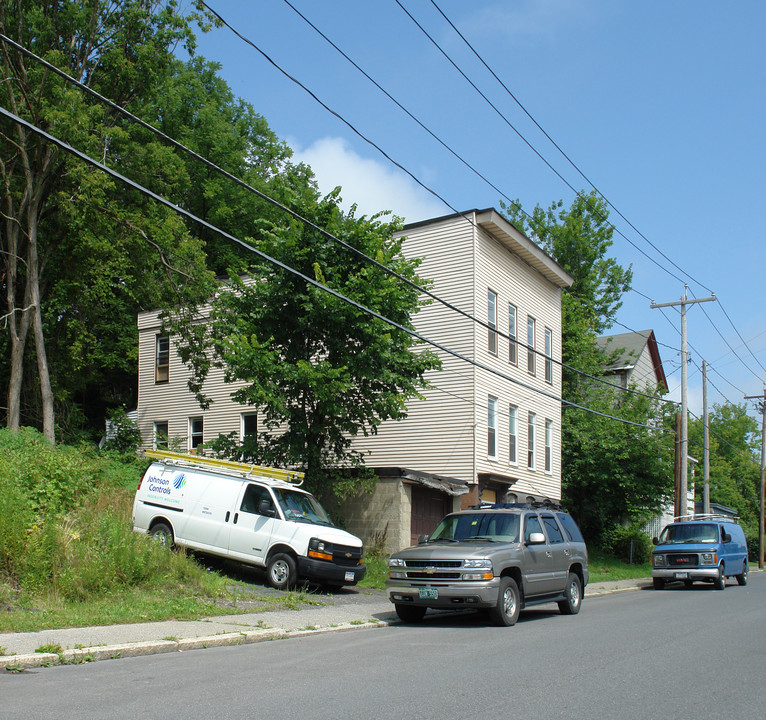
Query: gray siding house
[[488, 431]]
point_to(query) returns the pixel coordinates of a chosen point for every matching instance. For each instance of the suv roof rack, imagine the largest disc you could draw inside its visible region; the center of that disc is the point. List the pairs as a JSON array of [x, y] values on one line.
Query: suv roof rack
[[705, 516], [536, 505], [230, 467]]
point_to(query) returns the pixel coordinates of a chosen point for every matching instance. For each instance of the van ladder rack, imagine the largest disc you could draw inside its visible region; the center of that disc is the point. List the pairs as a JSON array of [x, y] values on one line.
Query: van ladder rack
[[706, 516], [172, 458]]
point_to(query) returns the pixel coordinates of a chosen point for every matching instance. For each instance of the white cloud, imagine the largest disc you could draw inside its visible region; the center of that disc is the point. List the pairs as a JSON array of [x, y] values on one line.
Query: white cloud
[[372, 185]]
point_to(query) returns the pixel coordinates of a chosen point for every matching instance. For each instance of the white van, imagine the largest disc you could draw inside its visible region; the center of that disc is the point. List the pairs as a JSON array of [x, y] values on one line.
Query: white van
[[248, 513]]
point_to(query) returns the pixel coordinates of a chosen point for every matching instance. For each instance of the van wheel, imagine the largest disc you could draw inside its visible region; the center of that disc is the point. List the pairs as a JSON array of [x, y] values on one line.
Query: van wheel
[[571, 606], [720, 582], [742, 577], [506, 613], [409, 613], [163, 534], [281, 571], [658, 583]]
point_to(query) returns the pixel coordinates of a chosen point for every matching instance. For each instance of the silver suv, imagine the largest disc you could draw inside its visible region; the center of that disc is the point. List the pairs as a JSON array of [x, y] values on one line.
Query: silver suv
[[500, 557]]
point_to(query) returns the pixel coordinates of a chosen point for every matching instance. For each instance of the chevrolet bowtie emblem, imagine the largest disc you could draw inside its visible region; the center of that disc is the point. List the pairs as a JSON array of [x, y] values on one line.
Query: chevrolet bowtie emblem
[[429, 570]]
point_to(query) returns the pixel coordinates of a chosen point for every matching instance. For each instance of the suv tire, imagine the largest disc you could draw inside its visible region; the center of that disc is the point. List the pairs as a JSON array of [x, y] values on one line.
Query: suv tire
[[571, 606], [506, 613], [410, 613]]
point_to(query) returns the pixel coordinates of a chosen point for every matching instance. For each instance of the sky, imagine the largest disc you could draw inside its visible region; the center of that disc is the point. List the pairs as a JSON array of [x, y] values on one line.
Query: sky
[[658, 105]]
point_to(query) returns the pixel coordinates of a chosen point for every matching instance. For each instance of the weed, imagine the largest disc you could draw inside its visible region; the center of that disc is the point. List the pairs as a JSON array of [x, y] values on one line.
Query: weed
[[50, 648]]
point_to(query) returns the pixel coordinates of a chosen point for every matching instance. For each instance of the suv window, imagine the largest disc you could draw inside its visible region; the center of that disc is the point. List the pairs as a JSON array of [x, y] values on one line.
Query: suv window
[[570, 527], [532, 525], [552, 530]]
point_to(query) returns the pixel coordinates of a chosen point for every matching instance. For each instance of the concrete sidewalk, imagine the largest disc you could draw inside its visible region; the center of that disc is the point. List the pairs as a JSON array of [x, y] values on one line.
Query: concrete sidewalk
[[359, 609]]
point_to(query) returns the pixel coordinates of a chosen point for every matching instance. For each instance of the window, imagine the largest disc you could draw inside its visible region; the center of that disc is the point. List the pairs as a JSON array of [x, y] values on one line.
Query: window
[[161, 435], [532, 526], [195, 432], [552, 530], [249, 425], [531, 345], [512, 349], [548, 446], [531, 441], [513, 433], [492, 427], [254, 495], [162, 359], [548, 356], [492, 321]]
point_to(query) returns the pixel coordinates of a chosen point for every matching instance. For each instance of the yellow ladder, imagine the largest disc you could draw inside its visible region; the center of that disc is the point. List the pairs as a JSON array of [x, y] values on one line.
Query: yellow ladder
[[200, 461]]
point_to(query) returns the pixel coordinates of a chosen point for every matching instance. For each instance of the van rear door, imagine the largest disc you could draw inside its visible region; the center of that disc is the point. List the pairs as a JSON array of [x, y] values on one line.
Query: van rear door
[[251, 529]]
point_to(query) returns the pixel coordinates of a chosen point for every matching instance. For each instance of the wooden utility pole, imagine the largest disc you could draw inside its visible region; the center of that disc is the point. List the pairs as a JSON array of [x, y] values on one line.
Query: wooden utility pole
[[763, 470], [706, 449], [684, 393]]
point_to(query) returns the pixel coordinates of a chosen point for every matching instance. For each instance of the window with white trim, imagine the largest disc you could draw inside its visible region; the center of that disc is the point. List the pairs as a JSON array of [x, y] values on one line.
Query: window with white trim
[[549, 446], [531, 440], [531, 344], [513, 434], [196, 432], [548, 355], [492, 321], [512, 346], [492, 427], [162, 359], [161, 435], [249, 425]]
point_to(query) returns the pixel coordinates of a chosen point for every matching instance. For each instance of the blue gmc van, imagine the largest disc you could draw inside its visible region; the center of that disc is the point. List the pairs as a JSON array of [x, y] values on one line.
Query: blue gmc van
[[708, 548]]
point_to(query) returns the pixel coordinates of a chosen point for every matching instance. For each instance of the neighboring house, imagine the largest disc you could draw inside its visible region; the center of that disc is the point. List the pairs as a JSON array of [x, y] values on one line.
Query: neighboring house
[[634, 359], [484, 432]]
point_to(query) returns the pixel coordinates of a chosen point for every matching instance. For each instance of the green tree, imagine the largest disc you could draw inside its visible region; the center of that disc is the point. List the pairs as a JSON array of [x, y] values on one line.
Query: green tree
[[72, 244], [735, 476], [319, 369]]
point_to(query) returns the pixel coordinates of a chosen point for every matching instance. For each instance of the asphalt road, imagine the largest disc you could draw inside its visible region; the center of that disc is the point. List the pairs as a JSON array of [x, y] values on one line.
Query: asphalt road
[[679, 653]]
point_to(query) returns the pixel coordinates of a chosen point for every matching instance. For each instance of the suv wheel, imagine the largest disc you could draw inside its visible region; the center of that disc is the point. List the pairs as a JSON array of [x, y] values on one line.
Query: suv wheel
[[506, 613], [409, 613], [742, 577], [571, 605], [720, 582]]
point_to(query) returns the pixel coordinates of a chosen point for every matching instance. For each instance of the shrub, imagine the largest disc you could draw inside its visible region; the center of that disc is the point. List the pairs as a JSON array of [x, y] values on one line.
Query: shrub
[[630, 544]]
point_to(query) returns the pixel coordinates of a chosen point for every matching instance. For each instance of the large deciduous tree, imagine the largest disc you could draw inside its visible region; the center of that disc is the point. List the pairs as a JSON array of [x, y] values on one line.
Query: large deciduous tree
[[71, 241], [319, 369]]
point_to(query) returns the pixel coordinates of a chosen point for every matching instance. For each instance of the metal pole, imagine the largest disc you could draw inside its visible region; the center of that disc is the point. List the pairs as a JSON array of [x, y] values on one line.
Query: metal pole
[[706, 451]]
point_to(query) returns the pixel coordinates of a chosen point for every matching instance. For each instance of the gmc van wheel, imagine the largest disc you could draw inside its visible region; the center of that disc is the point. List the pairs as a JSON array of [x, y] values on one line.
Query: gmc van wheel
[[281, 571]]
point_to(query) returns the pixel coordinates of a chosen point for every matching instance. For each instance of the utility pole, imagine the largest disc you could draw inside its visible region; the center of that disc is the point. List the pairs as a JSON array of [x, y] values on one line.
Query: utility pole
[[706, 450], [684, 445], [763, 469]]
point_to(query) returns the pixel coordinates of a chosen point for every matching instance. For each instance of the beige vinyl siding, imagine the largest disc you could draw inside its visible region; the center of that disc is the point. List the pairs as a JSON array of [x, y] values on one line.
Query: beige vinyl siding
[[438, 434], [644, 374], [171, 401]]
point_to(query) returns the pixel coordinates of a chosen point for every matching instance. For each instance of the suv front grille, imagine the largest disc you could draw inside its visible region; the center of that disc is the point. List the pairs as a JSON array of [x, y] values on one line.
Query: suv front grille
[[433, 569]]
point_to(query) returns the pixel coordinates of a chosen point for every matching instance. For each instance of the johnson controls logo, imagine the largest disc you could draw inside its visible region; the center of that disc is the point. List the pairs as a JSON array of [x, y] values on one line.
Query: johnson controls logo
[[179, 482]]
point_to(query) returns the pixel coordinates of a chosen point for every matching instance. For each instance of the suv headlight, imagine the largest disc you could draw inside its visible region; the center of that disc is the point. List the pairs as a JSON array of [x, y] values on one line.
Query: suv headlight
[[708, 558], [396, 569], [482, 569], [320, 549]]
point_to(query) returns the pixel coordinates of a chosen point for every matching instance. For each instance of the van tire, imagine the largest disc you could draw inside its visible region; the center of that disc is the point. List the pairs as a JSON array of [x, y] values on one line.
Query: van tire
[[720, 581], [162, 533], [742, 577], [281, 571]]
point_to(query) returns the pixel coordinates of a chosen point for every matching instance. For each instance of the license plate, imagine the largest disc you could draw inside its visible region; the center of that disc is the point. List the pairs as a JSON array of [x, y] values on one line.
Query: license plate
[[349, 577], [428, 594], [682, 576]]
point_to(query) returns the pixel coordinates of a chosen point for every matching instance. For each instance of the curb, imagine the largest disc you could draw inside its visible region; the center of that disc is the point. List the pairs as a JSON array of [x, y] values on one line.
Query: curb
[[79, 656]]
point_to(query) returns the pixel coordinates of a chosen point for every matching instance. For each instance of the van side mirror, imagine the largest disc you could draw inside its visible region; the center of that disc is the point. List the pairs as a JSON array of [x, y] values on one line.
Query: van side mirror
[[536, 538], [656, 540], [726, 537], [422, 539], [267, 509]]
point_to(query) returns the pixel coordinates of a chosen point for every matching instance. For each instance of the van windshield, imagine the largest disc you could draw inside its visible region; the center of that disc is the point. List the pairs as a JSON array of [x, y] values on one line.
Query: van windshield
[[689, 533], [302, 507]]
